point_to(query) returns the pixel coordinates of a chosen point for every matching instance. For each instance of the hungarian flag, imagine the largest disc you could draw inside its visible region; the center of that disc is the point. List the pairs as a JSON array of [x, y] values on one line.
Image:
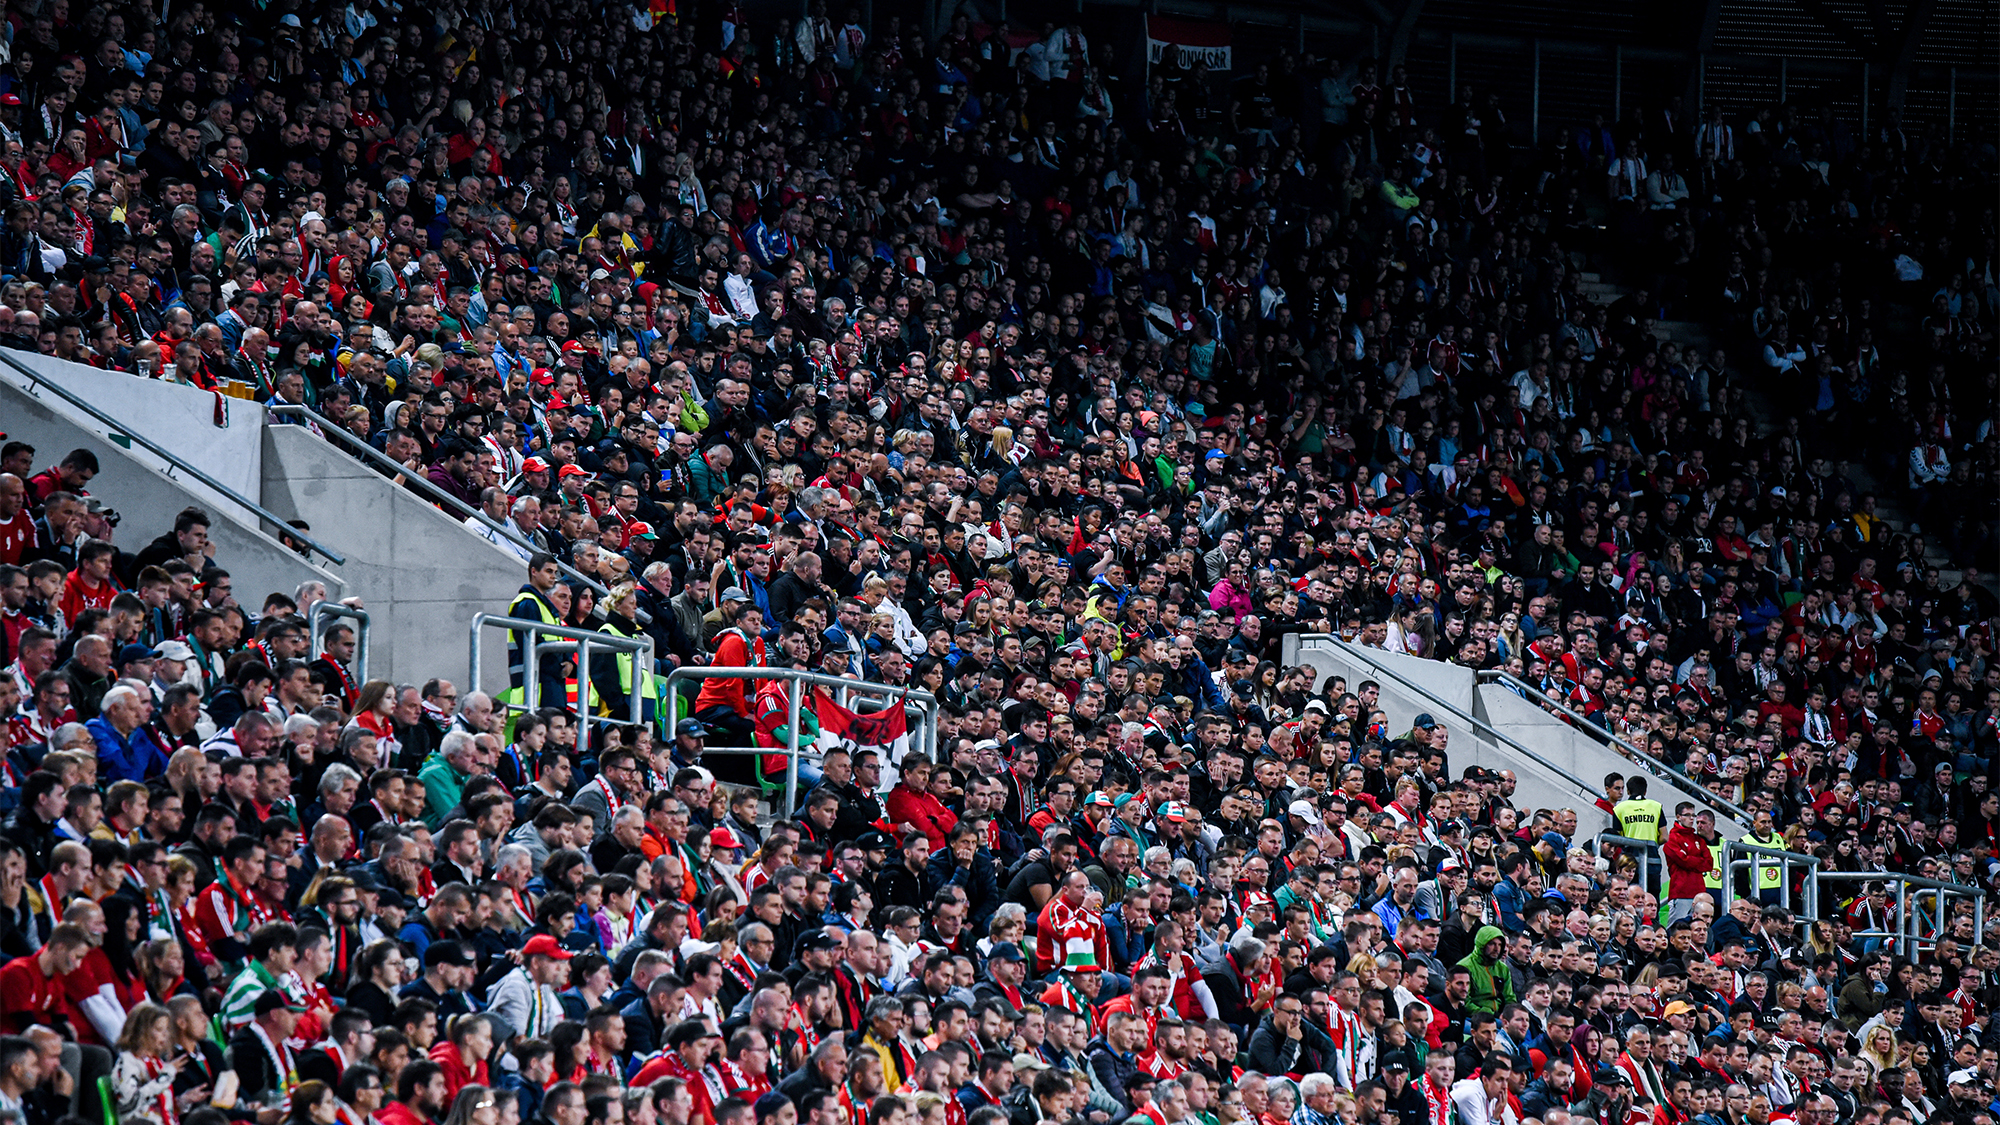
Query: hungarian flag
[[886, 731], [663, 12]]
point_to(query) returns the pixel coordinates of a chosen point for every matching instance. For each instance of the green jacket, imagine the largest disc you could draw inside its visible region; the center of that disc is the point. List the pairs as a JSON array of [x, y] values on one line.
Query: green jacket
[[444, 786], [705, 482], [1492, 981]]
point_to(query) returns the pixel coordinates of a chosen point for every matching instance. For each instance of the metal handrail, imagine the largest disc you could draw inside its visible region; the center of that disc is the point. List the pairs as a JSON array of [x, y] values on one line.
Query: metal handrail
[[792, 749], [324, 608], [1752, 863], [640, 646], [1649, 853], [37, 379], [1662, 770], [1477, 724], [1907, 935], [433, 493]]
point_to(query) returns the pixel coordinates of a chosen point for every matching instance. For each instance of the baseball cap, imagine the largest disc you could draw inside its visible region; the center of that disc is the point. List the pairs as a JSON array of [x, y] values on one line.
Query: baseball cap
[[272, 1000], [574, 347], [451, 953], [1676, 1008], [687, 1031], [735, 594], [1424, 722], [546, 945], [1172, 810], [1963, 1078], [1555, 840], [640, 529], [1304, 811], [571, 471], [1256, 899], [1099, 798], [534, 465], [10, 99], [175, 650], [133, 652], [690, 728], [817, 939], [1026, 1061], [722, 837], [1006, 951], [1450, 863]]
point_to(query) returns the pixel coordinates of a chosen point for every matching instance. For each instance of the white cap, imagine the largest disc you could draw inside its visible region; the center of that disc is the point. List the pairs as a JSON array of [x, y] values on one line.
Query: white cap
[[1304, 811]]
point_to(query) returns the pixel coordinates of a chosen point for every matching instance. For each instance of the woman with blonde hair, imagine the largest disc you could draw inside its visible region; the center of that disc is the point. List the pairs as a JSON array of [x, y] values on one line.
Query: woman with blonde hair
[[1878, 1052]]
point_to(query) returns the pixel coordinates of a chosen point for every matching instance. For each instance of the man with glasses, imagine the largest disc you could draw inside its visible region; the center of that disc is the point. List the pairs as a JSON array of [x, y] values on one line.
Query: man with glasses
[[616, 785]]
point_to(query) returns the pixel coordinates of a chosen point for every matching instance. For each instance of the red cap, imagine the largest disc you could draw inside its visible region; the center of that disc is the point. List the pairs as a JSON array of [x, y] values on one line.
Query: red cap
[[573, 346], [723, 838], [534, 465], [546, 946], [10, 99], [543, 378], [571, 471]]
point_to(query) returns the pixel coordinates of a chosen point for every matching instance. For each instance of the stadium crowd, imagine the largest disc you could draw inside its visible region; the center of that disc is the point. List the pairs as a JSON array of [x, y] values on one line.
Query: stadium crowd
[[1063, 389]]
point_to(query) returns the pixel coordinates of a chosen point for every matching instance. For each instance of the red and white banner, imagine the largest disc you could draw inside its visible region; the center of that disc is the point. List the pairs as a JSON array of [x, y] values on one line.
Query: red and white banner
[[1197, 40], [886, 731]]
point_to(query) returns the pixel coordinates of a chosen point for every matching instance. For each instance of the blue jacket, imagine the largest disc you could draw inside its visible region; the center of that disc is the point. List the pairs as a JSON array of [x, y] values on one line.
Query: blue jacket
[[134, 757], [1510, 901], [1128, 945]]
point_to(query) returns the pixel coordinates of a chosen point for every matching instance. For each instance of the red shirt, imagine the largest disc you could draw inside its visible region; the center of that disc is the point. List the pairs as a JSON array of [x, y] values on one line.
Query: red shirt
[[78, 595], [16, 536], [28, 996]]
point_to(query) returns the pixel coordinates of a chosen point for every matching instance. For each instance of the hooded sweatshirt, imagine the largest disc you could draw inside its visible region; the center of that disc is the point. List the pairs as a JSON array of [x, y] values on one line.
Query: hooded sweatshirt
[[1492, 981]]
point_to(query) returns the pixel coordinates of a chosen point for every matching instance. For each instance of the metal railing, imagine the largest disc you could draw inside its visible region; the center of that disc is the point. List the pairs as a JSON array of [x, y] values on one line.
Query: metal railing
[[1652, 862], [640, 648], [423, 486], [324, 609], [794, 678], [1911, 892], [1660, 769], [1755, 859], [1478, 725], [36, 380]]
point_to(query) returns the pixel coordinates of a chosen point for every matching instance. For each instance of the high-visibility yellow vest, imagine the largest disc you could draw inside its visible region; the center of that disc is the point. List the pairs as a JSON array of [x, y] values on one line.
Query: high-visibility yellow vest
[[1639, 818], [1770, 872]]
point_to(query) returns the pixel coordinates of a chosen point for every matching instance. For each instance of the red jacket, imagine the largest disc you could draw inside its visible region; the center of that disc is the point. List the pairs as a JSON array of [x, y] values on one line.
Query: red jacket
[[923, 810], [1688, 862]]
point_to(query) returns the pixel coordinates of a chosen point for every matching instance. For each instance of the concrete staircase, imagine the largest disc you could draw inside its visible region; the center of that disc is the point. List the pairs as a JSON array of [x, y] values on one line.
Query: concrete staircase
[[422, 574]]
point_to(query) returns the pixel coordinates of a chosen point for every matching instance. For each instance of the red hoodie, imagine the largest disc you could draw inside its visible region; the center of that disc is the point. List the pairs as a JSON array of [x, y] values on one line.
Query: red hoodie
[[456, 1076]]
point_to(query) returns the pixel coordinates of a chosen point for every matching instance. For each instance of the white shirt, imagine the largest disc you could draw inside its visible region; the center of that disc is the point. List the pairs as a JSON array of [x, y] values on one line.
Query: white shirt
[[1468, 1096]]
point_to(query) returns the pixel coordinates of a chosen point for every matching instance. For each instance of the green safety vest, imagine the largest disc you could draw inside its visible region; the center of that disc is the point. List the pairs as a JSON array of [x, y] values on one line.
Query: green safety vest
[[1639, 818], [1713, 880]]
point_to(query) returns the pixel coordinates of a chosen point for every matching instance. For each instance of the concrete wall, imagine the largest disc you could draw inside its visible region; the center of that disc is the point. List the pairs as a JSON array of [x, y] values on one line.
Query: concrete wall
[[177, 417], [422, 575], [1577, 751], [1536, 786], [135, 483]]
